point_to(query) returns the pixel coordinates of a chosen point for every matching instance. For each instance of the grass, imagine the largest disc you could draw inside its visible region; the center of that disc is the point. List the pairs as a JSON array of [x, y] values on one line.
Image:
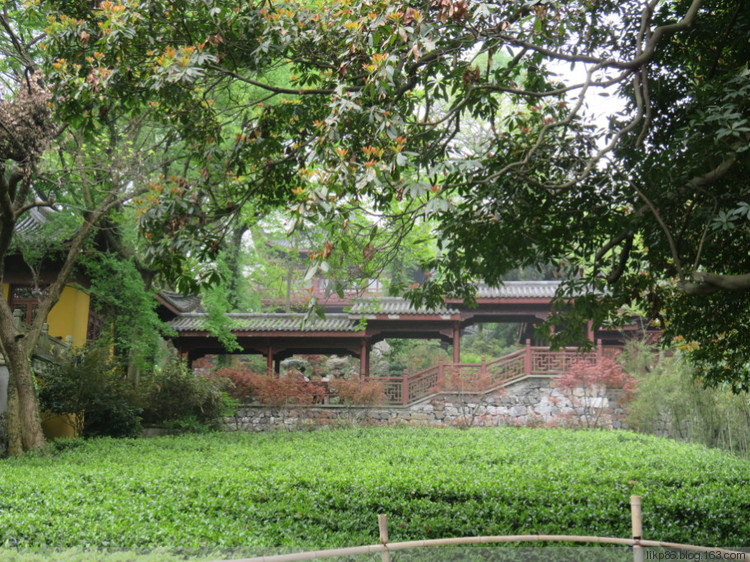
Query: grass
[[250, 493]]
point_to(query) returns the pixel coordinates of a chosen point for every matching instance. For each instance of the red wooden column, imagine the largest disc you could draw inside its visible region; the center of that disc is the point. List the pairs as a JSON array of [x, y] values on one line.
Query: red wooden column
[[456, 343], [364, 360], [269, 362], [590, 330], [527, 359]]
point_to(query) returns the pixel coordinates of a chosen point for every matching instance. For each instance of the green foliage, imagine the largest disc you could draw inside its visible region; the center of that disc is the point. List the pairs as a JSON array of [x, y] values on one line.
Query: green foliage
[[216, 302], [414, 355], [45, 245], [83, 554], [175, 395], [671, 402], [90, 384], [127, 308], [489, 341], [285, 491], [400, 115]]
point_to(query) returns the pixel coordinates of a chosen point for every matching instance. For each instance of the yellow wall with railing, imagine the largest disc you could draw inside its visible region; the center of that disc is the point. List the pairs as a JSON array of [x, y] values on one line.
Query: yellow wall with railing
[[69, 317]]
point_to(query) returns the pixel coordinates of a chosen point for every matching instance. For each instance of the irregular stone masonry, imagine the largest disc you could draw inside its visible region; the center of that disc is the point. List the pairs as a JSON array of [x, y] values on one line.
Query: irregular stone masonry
[[532, 401]]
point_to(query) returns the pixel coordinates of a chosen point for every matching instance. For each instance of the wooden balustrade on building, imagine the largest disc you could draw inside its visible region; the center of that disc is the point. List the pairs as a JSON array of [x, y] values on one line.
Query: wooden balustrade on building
[[485, 375]]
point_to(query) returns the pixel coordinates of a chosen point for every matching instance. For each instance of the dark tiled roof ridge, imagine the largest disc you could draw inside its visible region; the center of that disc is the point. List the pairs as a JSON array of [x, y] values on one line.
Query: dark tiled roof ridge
[[180, 302], [519, 289], [394, 305], [268, 322]]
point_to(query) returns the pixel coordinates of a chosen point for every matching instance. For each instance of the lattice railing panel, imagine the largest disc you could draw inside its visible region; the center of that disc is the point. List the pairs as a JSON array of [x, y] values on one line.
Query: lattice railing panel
[[557, 361], [423, 384], [463, 377], [392, 390], [507, 367]]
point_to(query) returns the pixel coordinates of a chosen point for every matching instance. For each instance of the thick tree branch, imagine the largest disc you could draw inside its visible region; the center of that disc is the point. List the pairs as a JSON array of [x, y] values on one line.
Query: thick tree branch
[[612, 243], [726, 282], [712, 176], [708, 283]]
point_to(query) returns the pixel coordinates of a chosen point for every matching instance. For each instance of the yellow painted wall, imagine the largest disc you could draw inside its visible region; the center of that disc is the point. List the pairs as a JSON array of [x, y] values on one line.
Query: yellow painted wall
[[70, 316], [56, 426]]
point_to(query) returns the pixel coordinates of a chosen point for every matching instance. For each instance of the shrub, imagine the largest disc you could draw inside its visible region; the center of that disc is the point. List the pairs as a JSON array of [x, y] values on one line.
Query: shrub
[[283, 391], [592, 388], [240, 383], [175, 393], [247, 386], [91, 385], [358, 392], [672, 402]]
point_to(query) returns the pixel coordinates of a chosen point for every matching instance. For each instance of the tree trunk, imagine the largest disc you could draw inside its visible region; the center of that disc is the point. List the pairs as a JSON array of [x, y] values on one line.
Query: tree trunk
[[13, 424], [23, 414], [32, 437]]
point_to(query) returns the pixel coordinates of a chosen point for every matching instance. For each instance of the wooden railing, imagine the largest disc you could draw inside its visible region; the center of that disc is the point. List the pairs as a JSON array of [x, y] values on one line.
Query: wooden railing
[[49, 349], [480, 377]]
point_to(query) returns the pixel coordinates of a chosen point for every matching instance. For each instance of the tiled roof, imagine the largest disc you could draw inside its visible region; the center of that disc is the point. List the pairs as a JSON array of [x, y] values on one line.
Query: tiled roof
[[395, 305], [258, 322], [342, 322], [519, 290], [33, 220], [181, 303]]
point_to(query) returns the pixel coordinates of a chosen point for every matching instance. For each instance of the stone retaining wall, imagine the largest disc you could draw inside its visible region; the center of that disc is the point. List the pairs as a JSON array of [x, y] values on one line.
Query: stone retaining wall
[[531, 401]]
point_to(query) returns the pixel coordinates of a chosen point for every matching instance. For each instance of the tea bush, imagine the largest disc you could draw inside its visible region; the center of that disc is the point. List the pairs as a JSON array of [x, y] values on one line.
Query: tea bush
[[325, 489]]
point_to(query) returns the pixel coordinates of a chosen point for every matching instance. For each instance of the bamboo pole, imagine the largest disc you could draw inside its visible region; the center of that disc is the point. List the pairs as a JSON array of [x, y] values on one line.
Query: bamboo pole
[[375, 548], [383, 528], [637, 525]]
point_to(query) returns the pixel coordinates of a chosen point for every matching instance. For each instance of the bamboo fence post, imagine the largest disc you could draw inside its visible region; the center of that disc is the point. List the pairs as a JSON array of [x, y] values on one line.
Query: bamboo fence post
[[637, 522], [383, 527]]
